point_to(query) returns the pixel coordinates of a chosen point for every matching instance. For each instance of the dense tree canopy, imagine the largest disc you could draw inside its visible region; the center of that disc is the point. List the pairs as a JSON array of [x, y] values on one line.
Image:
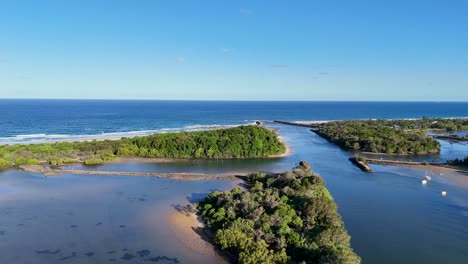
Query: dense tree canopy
[[283, 218], [447, 124], [382, 136], [459, 162], [237, 142]]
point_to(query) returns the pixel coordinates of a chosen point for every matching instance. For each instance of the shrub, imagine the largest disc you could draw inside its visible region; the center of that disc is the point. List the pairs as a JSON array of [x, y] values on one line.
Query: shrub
[[93, 161], [361, 158], [283, 218], [5, 163], [381, 136], [237, 142], [26, 161]]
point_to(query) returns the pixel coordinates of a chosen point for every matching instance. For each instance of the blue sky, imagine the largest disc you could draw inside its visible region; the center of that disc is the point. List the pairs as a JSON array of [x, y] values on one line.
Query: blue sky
[[241, 50]]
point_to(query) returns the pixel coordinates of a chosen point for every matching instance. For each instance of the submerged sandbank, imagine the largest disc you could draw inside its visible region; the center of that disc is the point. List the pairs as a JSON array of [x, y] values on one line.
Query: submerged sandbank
[[458, 176]]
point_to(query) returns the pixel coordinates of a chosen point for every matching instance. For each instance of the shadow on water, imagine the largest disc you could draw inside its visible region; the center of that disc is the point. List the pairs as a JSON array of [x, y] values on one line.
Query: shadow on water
[[196, 197], [390, 216], [183, 209]]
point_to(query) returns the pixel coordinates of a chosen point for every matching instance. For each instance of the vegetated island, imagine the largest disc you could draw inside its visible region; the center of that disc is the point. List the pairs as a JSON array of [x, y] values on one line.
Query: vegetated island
[[400, 137], [230, 143], [282, 218], [379, 136], [389, 137]]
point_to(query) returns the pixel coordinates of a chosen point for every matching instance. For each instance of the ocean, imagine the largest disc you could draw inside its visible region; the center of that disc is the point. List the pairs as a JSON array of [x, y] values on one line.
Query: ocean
[[51, 120]]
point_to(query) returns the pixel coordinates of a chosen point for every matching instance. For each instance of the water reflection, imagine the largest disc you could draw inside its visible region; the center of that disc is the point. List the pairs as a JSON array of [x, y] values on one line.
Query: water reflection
[[391, 217], [76, 219]]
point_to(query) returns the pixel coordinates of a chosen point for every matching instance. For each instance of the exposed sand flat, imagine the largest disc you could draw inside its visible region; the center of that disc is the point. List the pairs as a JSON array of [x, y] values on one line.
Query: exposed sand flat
[[174, 176], [454, 175], [183, 176], [189, 230]]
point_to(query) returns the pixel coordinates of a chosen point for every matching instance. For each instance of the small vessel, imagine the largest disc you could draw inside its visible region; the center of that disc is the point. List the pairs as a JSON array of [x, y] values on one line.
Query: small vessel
[[444, 193], [427, 176], [424, 182]]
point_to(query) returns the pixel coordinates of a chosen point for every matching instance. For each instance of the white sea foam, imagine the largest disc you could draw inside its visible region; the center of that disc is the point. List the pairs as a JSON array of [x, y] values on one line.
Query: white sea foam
[[326, 121], [48, 138], [313, 121]]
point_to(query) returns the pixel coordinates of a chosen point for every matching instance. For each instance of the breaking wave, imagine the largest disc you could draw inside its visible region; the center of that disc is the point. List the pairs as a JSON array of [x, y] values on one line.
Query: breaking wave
[[47, 138]]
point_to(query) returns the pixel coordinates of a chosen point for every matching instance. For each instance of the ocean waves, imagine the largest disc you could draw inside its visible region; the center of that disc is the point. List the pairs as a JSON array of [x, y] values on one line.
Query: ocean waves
[[50, 138]]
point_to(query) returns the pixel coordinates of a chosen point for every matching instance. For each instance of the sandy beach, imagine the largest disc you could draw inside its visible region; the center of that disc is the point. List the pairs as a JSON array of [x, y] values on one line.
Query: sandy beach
[[188, 229], [288, 149]]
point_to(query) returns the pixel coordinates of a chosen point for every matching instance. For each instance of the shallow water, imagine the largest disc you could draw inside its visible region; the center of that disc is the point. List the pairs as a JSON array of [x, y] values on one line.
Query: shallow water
[[391, 217], [94, 219]]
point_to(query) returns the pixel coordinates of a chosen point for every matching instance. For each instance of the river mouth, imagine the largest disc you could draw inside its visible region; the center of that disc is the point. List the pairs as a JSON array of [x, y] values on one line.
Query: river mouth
[[391, 217]]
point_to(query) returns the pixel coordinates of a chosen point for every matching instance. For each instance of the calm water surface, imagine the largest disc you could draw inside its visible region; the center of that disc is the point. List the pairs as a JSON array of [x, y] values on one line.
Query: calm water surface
[[391, 217], [76, 219]]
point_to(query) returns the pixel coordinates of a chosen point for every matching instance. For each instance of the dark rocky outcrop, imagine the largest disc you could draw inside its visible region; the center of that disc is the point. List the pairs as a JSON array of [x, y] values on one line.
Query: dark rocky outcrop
[[304, 164], [361, 164]]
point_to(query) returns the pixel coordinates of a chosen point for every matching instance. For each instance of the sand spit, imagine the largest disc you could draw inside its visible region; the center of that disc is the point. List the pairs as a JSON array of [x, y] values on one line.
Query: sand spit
[[175, 176]]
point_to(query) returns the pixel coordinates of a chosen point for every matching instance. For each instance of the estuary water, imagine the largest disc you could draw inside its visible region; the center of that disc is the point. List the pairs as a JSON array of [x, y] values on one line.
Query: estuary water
[[391, 217], [92, 219]]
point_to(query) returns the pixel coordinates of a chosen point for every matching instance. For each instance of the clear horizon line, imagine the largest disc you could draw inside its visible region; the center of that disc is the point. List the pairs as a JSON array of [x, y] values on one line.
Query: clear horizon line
[[235, 100]]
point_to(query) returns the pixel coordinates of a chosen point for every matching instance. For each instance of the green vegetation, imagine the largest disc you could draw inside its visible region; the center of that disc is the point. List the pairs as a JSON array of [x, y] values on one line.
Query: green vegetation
[[386, 136], [55, 161], [5, 163], [445, 124], [238, 142], [361, 158], [459, 162], [285, 218]]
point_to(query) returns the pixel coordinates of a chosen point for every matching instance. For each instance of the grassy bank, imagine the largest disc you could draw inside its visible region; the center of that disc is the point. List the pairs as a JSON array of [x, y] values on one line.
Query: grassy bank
[[283, 218], [237, 142]]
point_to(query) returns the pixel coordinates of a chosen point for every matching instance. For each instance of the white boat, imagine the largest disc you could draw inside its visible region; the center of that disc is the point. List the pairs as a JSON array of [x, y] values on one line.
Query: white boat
[[424, 182], [427, 176], [444, 193]]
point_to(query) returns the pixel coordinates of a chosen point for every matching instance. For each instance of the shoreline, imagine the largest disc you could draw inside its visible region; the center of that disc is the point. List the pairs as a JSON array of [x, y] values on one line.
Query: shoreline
[[182, 176], [119, 159], [234, 176], [453, 175], [190, 230], [409, 154], [286, 153], [117, 135]]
